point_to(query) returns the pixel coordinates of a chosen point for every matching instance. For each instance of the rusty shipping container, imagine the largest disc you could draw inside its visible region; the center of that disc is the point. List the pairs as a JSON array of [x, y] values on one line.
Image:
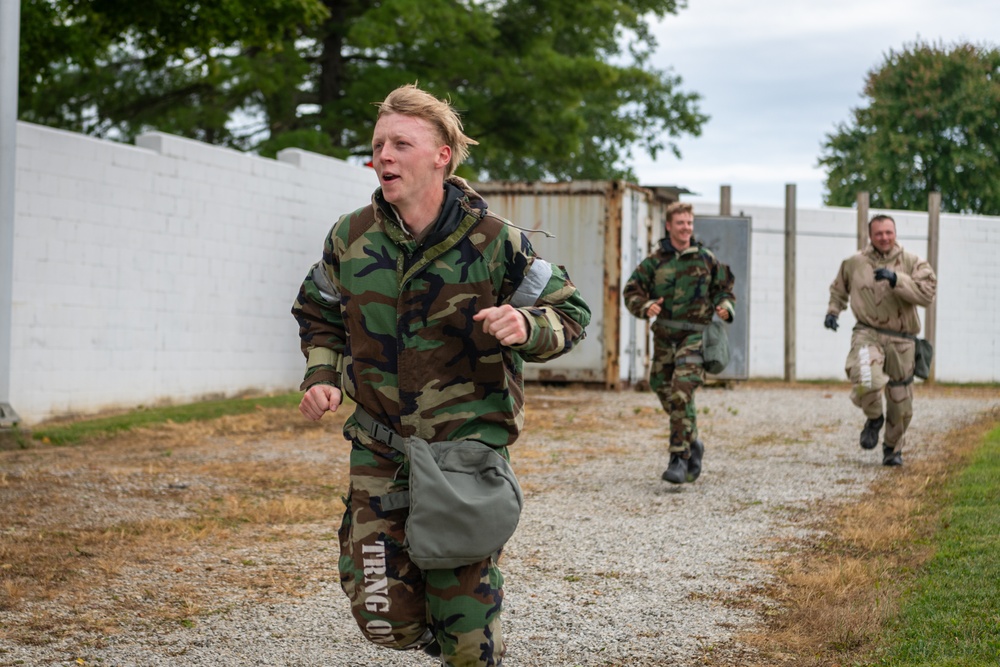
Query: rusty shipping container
[[602, 230]]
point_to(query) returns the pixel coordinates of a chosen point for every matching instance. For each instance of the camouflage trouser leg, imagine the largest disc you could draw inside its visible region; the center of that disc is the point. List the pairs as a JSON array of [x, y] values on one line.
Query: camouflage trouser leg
[[464, 606], [880, 364], [394, 602], [675, 384]]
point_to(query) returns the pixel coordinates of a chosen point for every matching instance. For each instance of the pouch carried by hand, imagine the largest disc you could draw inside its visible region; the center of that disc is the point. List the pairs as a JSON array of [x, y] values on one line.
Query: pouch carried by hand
[[715, 347], [923, 356]]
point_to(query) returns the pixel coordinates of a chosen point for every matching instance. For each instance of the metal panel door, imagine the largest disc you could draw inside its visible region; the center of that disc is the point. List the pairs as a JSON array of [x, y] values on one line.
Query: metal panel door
[[729, 238]]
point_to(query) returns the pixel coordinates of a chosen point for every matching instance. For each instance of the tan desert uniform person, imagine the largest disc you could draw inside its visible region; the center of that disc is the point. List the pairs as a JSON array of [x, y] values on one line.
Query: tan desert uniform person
[[884, 284]]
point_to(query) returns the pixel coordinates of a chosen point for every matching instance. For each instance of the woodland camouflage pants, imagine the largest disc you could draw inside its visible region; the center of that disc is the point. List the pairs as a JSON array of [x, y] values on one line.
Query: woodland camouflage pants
[[879, 364], [675, 384], [395, 603]]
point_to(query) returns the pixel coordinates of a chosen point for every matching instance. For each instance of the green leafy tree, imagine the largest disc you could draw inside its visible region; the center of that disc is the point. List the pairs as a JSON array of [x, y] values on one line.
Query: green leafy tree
[[114, 68], [552, 89], [932, 124]]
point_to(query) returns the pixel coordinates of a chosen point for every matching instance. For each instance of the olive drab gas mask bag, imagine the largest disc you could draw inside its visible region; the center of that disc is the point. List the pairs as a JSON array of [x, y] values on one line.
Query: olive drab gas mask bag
[[715, 347], [923, 356], [464, 498], [465, 502]]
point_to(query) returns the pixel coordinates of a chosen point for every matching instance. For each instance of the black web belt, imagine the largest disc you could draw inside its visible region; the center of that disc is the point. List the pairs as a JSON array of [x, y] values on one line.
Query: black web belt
[[683, 326]]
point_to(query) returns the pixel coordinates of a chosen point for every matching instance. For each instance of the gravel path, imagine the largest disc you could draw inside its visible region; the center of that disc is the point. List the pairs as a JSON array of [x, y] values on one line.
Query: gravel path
[[610, 565]]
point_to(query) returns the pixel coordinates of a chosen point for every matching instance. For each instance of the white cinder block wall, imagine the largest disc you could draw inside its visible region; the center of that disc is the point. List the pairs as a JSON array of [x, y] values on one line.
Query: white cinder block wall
[[166, 271], [968, 299]]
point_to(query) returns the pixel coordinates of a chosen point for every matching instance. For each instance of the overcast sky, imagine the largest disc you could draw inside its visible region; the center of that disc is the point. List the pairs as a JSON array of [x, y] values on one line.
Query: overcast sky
[[776, 77]]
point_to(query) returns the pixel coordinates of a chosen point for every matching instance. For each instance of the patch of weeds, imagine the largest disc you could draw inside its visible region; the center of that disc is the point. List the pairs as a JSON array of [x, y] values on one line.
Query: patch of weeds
[[15, 438], [750, 503], [74, 432], [776, 439]]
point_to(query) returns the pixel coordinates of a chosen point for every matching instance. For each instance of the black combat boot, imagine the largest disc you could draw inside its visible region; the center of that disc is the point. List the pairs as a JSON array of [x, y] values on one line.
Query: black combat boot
[[694, 463], [677, 471], [430, 644], [869, 435], [890, 457]]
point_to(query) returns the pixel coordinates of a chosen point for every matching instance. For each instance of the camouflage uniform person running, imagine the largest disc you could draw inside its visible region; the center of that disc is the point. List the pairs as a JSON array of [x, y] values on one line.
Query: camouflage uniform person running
[[884, 285], [423, 309], [683, 285]]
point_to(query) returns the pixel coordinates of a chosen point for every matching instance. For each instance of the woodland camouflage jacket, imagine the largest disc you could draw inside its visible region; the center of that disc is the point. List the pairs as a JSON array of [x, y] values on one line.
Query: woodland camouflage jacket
[[876, 303], [389, 320], [692, 284]]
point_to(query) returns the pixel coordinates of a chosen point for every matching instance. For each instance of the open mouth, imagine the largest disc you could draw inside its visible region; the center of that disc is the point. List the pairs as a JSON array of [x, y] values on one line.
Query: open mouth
[[389, 177]]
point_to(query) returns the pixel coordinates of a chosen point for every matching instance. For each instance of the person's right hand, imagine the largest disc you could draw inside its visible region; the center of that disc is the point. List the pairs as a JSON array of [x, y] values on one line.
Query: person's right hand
[[654, 308], [318, 400], [831, 321]]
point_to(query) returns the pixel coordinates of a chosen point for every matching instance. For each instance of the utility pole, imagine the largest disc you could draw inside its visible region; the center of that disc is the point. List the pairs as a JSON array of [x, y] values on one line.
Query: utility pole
[[10, 34]]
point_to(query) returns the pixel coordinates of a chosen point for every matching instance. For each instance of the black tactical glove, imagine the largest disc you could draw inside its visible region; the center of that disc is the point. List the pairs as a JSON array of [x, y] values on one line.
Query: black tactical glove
[[886, 274], [831, 321]]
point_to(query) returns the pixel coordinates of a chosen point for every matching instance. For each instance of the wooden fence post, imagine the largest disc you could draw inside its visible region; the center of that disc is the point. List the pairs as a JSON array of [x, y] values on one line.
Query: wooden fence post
[[862, 220], [933, 243]]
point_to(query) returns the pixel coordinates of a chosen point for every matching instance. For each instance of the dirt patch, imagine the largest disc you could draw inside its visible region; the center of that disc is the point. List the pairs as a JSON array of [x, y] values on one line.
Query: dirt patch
[[164, 523]]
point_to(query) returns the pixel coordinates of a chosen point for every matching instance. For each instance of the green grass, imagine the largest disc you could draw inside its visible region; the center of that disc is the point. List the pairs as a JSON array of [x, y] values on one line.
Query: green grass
[[951, 618], [78, 431]]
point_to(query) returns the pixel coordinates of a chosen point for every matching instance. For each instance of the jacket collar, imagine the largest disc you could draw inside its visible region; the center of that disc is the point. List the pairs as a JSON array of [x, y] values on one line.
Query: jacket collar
[[668, 248], [877, 254], [459, 200]]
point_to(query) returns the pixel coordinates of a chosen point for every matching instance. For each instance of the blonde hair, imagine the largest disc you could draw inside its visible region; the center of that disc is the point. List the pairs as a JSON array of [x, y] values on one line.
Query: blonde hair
[[678, 207], [409, 100]]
